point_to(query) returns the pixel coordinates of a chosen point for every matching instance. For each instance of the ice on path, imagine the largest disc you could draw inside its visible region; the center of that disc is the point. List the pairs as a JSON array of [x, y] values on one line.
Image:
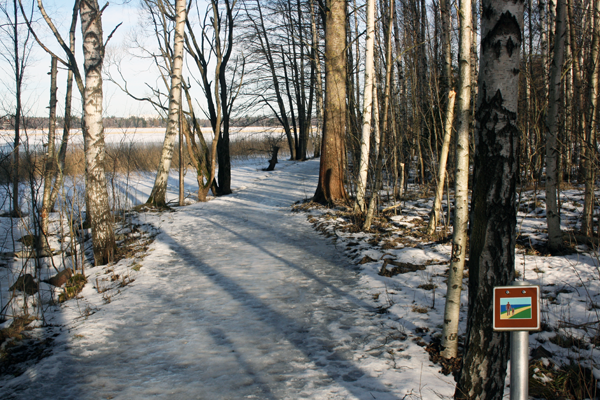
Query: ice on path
[[239, 298]]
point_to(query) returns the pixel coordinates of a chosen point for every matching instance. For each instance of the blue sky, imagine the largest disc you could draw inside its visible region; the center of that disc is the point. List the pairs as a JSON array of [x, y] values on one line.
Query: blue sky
[[137, 72]]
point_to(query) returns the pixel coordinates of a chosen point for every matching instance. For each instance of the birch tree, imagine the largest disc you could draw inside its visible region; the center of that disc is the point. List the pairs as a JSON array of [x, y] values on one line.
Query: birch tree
[[378, 184], [434, 215], [55, 165], [446, 81], [158, 195], [365, 139], [97, 206], [493, 204], [49, 162], [552, 214], [100, 217], [330, 187], [461, 188]]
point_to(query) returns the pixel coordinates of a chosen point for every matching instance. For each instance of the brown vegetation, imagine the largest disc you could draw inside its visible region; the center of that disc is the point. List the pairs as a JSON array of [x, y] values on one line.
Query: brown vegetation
[[128, 157]]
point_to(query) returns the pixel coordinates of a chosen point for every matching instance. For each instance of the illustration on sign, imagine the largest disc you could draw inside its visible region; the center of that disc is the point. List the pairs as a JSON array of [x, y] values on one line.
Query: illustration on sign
[[515, 308]]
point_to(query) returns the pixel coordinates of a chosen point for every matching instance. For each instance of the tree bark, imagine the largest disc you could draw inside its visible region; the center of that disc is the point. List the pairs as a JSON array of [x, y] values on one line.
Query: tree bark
[[159, 191], [493, 204], [434, 215], [461, 188], [590, 137], [330, 187], [16, 210], [49, 160], [99, 214], [367, 108], [318, 76], [62, 153], [552, 212], [386, 111]]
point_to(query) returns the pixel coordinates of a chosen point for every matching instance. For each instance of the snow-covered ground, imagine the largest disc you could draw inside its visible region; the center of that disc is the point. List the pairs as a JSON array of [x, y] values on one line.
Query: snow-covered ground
[[414, 295], [237, 298], [243, 297]]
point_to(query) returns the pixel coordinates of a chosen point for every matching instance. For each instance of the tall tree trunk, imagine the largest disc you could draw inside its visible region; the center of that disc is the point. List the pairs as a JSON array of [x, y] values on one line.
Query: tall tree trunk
[[590, 149], [434, 215], [378, 184], [330, 187], [62, 153], [446, 45], [552, 212], [16, 210], [227, 98], [367, 108], [159, 191], [449, 115], [318, 75], [49, 160], [98, 211], [461, 188], [493, 204]]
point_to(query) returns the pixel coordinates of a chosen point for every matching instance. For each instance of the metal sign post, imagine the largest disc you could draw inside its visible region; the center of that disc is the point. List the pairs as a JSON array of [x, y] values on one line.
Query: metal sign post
[[517, 309]]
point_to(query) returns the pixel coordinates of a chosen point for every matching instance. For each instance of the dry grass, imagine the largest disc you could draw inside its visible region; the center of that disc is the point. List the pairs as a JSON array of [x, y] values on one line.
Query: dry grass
[[127, 157]]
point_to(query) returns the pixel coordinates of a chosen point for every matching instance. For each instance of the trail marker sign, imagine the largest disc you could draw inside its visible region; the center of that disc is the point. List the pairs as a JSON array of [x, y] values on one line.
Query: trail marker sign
[[517, 308]]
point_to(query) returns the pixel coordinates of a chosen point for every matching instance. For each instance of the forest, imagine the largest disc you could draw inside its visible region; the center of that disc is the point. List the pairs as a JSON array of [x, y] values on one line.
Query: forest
[[484, 108]]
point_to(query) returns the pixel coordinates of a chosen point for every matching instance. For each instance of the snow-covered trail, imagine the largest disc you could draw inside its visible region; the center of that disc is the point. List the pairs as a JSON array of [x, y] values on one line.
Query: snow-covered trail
[[239, 298]]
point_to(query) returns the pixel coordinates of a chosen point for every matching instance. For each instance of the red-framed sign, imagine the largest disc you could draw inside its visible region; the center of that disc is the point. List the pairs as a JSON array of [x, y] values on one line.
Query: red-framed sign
[[517, 308]]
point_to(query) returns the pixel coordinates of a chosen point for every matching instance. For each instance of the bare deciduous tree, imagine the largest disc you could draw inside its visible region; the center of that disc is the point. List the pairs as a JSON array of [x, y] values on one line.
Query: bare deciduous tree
[[16, 45], [159, 191], [493, 204], [461, 188], [365, 145], [333, 158], [100, 217], [556, 68]]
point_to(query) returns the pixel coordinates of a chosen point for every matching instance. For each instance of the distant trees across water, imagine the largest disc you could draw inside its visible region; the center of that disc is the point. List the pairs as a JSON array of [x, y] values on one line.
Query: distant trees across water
[[7, 123]]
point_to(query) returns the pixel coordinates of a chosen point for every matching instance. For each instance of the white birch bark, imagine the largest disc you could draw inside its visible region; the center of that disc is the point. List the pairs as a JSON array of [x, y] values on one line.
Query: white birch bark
[[434, 215], [98, 210], [552, 213], [378, 181], [365, 141], [461, 188], [158, 195], [494, 204]]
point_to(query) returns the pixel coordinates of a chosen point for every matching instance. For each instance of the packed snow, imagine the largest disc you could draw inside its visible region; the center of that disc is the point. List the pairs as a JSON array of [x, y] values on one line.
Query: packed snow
[[237, 298], [248, 296]]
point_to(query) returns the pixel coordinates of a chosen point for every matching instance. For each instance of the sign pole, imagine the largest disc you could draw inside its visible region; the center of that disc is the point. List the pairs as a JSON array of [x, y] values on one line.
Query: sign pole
[[519, 365], [519, 361]]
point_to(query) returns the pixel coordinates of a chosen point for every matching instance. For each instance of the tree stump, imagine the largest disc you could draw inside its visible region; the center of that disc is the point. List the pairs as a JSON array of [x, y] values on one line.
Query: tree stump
[[273, 160]]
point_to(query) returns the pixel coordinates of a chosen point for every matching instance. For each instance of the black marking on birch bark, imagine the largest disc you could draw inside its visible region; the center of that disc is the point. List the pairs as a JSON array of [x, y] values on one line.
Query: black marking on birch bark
[[487, 11], [510, 46], [92, 46], [506, 26]]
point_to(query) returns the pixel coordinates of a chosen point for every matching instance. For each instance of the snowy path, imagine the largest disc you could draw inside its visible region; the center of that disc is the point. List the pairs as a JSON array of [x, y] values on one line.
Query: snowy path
[[239, 298]]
